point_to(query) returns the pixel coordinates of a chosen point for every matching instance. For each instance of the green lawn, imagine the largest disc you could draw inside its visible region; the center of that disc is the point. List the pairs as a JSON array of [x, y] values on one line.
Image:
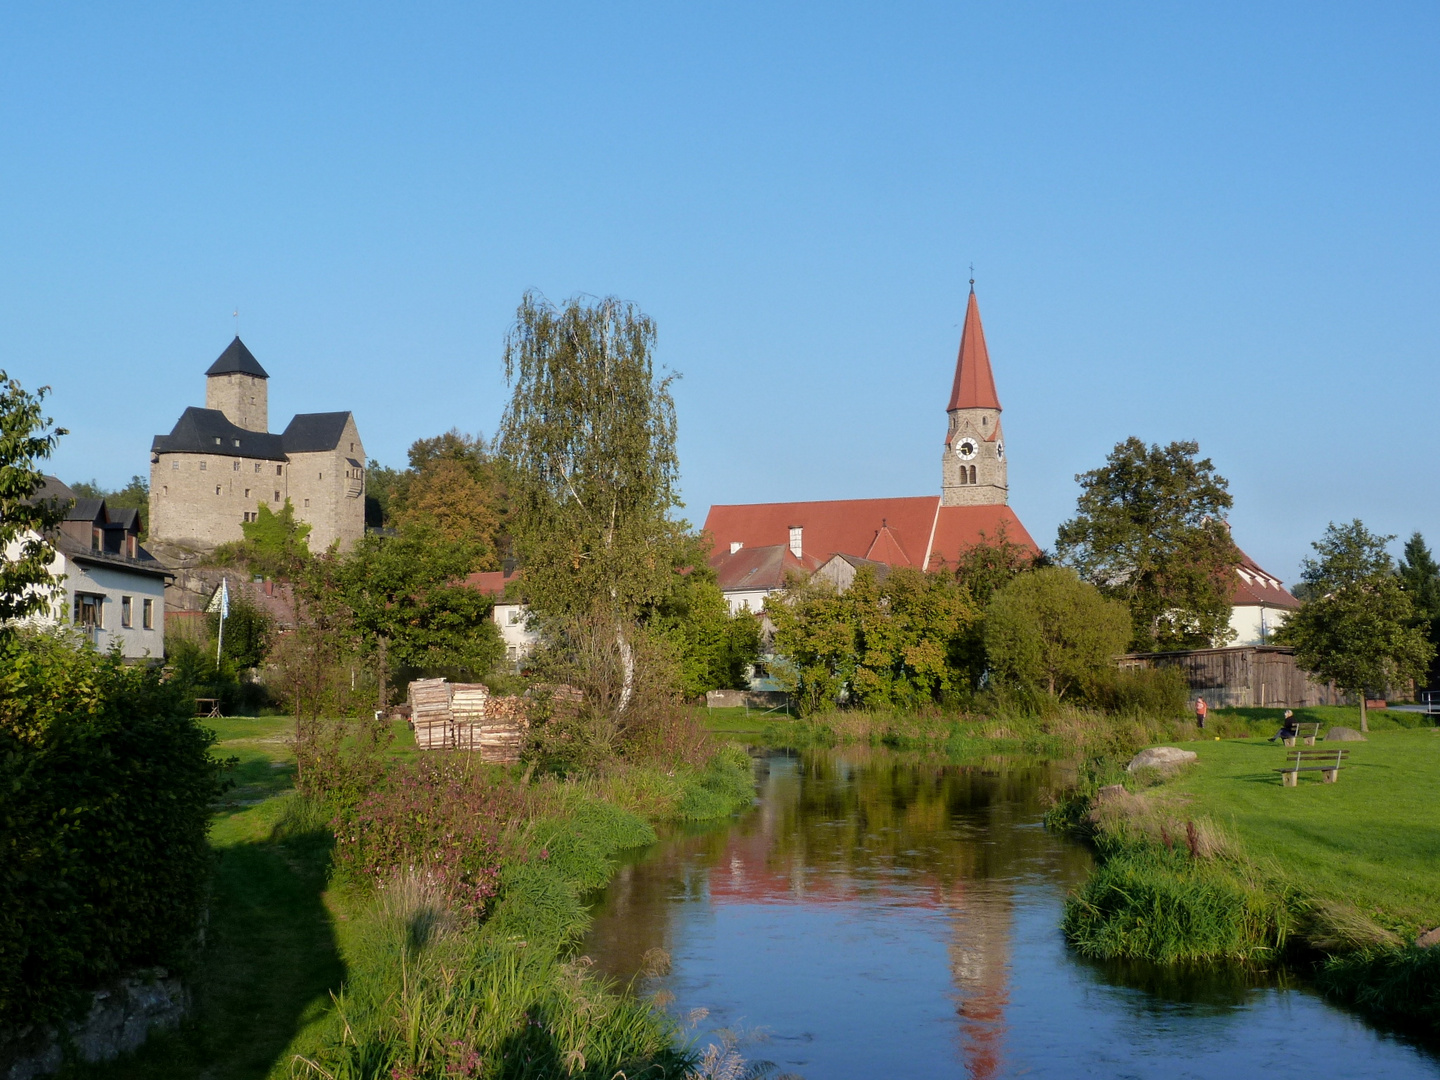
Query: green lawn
[[1372, 839], [738, 720]]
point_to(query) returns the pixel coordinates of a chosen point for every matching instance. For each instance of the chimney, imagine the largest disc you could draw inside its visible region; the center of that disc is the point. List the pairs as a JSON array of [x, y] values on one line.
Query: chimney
[[797, 533], [736, 545]]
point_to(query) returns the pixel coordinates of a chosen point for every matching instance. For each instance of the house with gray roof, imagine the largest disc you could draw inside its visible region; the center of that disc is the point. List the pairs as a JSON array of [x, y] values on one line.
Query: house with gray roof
[[111, 590], [220, 464]]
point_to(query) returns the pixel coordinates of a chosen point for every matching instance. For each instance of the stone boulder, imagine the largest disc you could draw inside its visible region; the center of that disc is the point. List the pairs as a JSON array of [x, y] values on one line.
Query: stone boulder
[[1161, 757], [1344, 734], [1429, 939], [1109, 793]]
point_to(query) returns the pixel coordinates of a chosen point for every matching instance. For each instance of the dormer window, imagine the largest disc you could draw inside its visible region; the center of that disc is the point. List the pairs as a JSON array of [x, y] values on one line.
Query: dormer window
[[235, 441], [217, 440]]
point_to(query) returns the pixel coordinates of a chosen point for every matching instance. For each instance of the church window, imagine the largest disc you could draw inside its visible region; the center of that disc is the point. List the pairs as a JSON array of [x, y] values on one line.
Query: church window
[[964, 475], [972, 474]]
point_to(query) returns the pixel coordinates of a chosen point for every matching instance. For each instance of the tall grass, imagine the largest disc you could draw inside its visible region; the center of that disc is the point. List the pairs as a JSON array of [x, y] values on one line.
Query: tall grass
[[1398, 983], [434, 994], [429, 997]]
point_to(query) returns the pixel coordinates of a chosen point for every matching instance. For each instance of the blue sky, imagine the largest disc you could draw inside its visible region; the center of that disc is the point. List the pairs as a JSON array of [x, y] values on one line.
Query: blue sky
[[1187, 221]]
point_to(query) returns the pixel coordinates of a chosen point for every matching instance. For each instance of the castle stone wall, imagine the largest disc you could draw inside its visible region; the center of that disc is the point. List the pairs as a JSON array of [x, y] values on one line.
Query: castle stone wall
[[202, 499]]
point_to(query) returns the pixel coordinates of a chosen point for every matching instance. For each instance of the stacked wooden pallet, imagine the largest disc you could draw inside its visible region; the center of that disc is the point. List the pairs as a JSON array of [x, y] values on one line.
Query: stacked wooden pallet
[[464, 716], [430, 713]]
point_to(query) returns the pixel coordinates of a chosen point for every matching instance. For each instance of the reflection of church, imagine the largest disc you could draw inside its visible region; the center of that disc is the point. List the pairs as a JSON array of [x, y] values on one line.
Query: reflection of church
[[856, 829]]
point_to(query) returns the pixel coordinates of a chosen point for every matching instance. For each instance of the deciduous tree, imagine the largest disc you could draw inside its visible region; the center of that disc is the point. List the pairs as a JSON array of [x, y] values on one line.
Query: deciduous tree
[[589, 440], [1051, 631], [1358, 625], [26, 438], [1149, 530]]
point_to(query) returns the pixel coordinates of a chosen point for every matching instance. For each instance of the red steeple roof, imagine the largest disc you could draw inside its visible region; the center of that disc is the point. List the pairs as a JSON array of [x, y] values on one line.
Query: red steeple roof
[[974, 384]]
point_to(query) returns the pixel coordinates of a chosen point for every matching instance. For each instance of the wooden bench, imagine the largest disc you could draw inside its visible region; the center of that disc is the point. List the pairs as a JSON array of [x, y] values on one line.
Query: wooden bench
[[1327, 763], [1301, 733]]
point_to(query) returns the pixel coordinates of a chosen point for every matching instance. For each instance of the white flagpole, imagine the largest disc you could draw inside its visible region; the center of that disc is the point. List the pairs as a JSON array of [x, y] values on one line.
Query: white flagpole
[[224, 610]]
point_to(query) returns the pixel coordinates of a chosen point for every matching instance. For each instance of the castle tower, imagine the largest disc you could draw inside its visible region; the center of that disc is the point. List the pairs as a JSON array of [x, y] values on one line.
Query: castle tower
[[972, 468], [235, 385]]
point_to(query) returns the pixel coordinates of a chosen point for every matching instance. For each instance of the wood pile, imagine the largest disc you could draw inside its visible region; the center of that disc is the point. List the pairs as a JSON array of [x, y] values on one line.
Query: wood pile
[[465, 716]]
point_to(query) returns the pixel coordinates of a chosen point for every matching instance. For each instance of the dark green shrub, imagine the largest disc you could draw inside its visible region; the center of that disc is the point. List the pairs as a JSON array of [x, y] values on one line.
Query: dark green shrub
[[106, 783], [1159, 692]]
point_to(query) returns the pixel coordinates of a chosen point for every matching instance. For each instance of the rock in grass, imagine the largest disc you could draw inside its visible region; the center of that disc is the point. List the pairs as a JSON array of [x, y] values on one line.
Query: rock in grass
[[1429, 939], [1161, 757], [1109, 793], [1344, 734]]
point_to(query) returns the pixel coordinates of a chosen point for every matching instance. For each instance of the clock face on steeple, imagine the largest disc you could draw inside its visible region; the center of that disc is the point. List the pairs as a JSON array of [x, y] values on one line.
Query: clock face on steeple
[[966, 449]]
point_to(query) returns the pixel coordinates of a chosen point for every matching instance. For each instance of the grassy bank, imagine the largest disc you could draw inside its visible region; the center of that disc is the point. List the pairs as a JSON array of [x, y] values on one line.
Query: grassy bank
[[1219, 861], [308, 972]]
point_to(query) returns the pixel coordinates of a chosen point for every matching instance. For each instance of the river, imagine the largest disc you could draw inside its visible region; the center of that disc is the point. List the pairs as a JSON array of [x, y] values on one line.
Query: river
[[880, 914]]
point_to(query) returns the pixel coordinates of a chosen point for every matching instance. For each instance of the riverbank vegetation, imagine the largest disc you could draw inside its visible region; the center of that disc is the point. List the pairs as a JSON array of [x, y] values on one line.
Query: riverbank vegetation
[[1218, 861]]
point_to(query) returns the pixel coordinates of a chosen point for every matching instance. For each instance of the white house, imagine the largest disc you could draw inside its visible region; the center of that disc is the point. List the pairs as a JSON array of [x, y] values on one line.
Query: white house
[[111, 589], [1259, 604], [511, 615]]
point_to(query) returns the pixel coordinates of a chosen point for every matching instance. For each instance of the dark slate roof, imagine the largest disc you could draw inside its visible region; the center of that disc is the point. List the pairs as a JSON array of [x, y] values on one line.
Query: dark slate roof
[[237, 357], [315, 431], [54, 489], [207, 431], [122, 517], [143, 563]]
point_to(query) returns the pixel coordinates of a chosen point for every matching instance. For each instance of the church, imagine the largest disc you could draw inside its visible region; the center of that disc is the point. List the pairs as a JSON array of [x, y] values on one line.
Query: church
[[757, 545], [220, 464]]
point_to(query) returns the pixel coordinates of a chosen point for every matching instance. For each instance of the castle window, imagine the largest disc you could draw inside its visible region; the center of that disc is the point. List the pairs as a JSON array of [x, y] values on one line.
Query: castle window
[[202, 464], [165, 489], [175, 465], [307, 504], [277, 497], [322, 476], [235, 466], [217, 489], [352, 447], [247, 493], [257, 466], [277, 470], [147, 614]]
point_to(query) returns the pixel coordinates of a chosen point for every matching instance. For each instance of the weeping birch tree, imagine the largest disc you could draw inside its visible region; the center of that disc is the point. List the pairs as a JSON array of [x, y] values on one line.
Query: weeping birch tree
[[589, 440]]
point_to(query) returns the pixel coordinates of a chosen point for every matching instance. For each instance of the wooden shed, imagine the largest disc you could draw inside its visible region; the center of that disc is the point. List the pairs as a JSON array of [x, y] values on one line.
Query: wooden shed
[[1244, 676]]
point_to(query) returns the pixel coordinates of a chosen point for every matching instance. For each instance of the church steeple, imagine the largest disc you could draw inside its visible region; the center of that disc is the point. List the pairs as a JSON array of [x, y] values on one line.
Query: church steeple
[[973, 470], [974, 382]]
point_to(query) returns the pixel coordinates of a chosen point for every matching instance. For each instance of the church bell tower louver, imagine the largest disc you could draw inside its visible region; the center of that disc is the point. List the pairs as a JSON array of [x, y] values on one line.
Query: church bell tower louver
[[972, 468]]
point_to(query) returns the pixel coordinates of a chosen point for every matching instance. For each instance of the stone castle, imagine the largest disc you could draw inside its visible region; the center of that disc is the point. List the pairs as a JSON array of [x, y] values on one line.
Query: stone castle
[[220, 464]]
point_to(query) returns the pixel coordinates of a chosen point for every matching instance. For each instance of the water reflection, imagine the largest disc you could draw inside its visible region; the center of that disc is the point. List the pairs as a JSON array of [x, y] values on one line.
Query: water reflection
[[885, 914]]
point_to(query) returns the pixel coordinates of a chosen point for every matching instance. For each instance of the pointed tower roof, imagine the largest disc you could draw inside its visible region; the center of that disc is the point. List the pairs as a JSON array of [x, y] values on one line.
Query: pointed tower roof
[[974, 384], [237, 357]]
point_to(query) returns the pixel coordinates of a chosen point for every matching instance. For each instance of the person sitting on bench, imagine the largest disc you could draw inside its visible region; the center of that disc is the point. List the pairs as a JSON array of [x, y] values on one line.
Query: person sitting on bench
[[1288, 728]]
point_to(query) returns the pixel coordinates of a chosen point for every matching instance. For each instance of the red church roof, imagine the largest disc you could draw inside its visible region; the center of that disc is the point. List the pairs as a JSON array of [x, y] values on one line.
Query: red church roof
[[914, 531], [1255, 587], [974, 382]]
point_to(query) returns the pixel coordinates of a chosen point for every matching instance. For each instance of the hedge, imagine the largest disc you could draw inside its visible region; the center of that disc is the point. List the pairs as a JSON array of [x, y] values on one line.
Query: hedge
[[106, 786]]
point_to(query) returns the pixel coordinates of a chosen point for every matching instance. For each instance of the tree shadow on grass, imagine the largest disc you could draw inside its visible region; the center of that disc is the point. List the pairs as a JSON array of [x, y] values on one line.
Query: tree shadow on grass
[[267, 970]]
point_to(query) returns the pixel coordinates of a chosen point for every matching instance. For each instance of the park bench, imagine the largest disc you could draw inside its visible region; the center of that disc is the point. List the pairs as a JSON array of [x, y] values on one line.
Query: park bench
[[1306, 733], [1326, 762]]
